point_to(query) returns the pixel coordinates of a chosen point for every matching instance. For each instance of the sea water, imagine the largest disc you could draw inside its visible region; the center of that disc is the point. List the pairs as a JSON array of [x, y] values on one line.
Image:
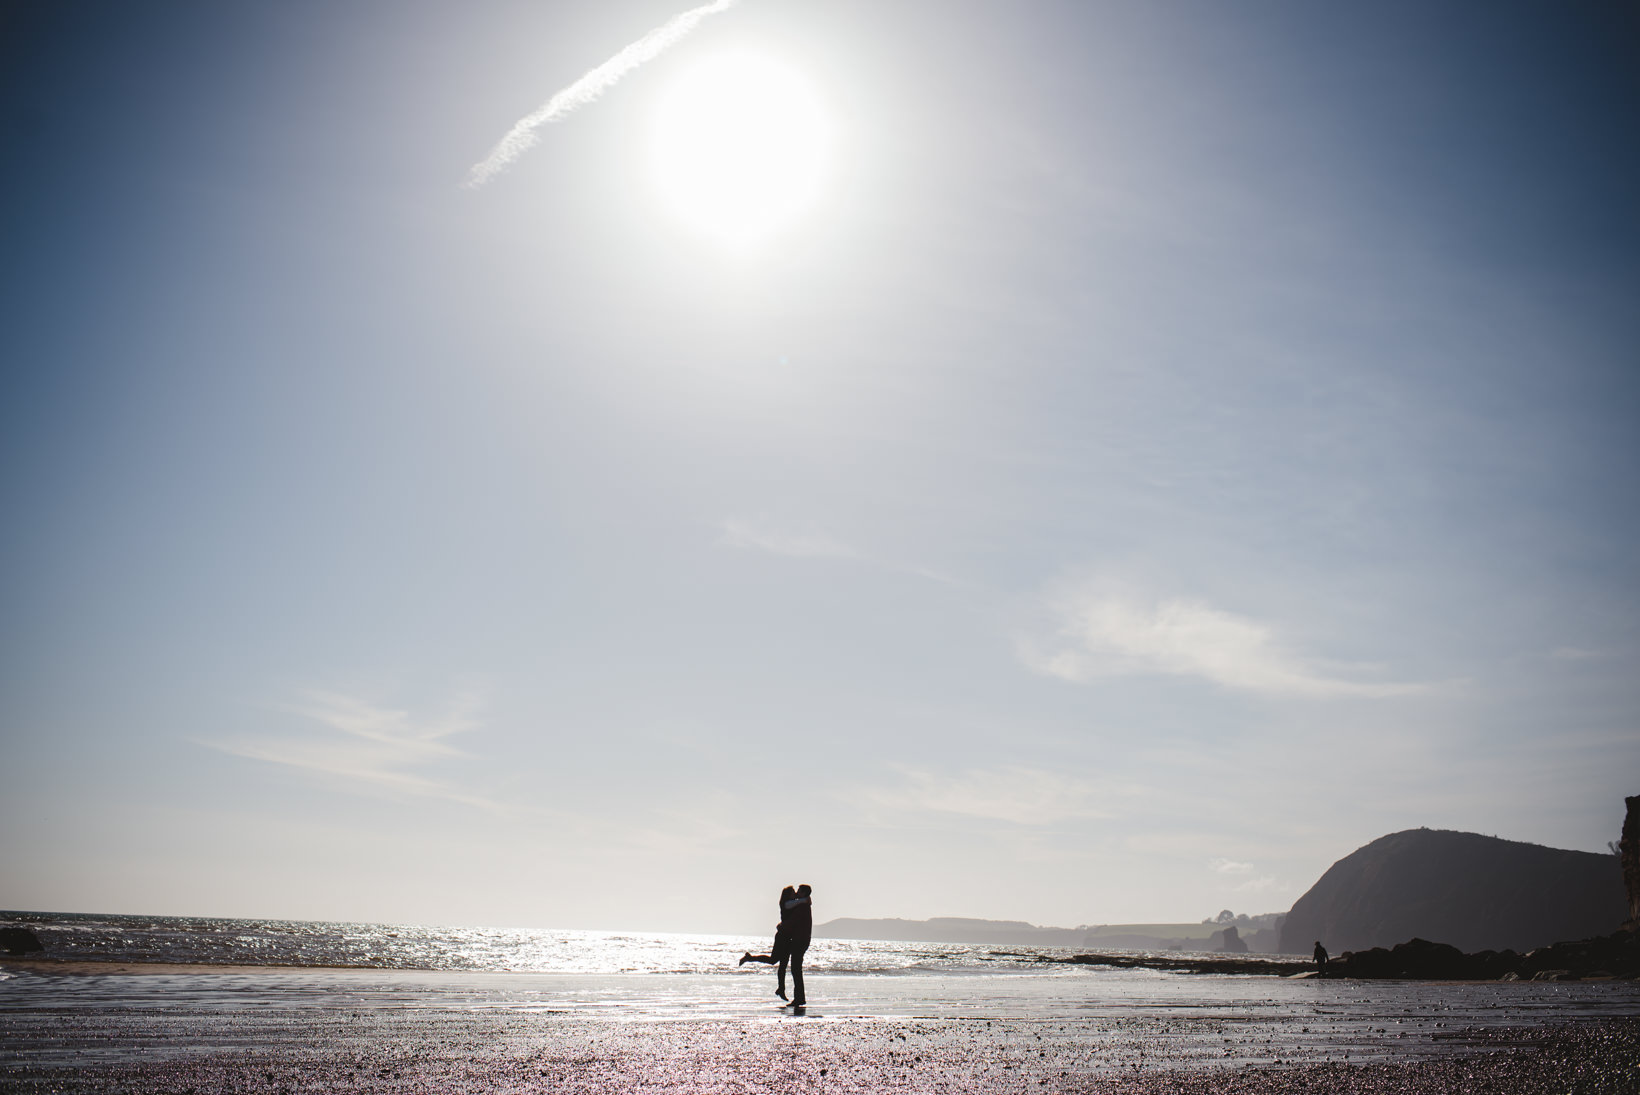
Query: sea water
[[214, 941]]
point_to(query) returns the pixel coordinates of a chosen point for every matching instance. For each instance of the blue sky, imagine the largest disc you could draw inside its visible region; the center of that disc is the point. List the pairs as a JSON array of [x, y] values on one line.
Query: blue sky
[[1179, 444]]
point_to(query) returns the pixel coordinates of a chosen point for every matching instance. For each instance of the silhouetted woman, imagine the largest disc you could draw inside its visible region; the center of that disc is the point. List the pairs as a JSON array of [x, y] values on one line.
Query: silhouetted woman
[[781, 950]]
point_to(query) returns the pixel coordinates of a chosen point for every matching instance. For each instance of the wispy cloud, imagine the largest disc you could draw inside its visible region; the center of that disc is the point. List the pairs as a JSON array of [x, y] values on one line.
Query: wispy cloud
[[521, 137], [1250, 882], [710, 821], [1015, 794], [360, 746], [1221, 865], [1577, 654], [762, 535], [1103, 632]]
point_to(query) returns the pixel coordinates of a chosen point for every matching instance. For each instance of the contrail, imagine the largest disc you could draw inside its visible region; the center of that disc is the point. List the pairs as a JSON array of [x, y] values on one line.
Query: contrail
[[583, 91]]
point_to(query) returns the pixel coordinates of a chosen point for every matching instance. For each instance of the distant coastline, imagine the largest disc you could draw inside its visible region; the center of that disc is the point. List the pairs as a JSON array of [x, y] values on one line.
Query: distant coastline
[[1260, 933]]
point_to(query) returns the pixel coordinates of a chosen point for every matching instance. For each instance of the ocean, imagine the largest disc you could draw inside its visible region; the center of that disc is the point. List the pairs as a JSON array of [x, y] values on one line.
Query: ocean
[[233, 942]]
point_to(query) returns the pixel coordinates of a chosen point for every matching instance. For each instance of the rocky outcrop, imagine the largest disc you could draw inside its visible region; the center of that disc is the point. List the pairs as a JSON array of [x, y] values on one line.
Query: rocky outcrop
[[1612, 956], [1228, 941], [1628, 852], [1416, 958], [20, 941], [1472, 892], [1279, 967], [1608, 957], [1266, 940], [1617, 955]]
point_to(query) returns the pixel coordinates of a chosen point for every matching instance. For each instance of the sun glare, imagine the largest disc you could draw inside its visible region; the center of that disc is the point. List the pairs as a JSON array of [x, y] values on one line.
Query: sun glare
[[741, 147]]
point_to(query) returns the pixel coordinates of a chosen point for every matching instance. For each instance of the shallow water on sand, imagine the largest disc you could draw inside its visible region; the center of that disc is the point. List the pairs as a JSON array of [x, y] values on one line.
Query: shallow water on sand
[[1186, 1017]]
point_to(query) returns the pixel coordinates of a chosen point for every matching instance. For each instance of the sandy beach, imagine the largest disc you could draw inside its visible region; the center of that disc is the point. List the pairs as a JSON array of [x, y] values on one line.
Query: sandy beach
[[189, 1029], [466, 1053]]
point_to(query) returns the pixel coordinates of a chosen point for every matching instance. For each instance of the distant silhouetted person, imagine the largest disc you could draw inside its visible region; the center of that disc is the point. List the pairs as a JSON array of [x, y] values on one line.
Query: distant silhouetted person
[[798, 916], [1320, 958], [781, 951]]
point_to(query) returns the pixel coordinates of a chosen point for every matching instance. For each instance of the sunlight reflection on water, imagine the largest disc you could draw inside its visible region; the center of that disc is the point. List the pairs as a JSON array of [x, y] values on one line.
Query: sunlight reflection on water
[[1071, 993], [385, 946]]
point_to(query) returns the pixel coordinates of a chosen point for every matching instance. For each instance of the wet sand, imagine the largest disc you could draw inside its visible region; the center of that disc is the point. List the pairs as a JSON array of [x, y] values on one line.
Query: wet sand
[[468, 1053], [160, 1041]]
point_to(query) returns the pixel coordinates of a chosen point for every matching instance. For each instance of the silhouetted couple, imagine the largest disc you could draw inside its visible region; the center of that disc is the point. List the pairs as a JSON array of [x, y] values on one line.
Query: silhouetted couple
[[791, 940]]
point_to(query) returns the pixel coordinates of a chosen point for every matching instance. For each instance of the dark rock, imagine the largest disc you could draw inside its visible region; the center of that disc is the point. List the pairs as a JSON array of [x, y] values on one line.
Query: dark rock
[[1265, 940], [19, 941], [1228, 941], [1491, 965], [1416, 959], [1280, 967], [1613, 956], [1617, 954]]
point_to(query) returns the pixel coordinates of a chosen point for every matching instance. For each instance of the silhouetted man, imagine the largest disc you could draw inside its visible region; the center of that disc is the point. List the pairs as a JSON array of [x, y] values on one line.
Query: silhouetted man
[[1320, 958], [798, 916]]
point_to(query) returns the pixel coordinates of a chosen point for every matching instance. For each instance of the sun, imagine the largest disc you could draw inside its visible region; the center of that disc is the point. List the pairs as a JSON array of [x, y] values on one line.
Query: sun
[[741, 147]]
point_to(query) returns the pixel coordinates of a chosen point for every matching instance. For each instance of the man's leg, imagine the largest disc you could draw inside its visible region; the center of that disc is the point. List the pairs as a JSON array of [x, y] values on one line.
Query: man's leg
[[798, 999]]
